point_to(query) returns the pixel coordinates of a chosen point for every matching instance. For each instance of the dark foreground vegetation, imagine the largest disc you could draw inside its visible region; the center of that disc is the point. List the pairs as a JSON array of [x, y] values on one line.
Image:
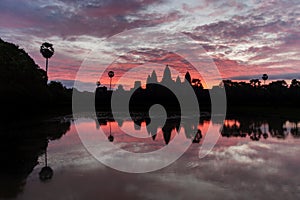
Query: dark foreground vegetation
[[23, 84]]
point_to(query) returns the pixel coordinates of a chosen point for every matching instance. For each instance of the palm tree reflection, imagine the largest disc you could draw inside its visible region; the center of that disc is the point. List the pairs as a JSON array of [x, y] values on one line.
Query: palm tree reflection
[[110, 137], [46, 172]]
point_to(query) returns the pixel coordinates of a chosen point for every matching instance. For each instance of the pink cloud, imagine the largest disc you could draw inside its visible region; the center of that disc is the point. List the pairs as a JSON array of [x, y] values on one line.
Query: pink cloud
[[265, 31]]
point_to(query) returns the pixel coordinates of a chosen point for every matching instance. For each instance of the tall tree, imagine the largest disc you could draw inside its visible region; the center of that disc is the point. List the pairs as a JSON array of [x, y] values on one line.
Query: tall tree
[[47, 51], [264, 78], [111, 74]]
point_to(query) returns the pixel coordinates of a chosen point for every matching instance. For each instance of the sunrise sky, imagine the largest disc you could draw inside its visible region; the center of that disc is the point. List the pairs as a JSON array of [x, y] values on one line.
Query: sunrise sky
[[244, 38]]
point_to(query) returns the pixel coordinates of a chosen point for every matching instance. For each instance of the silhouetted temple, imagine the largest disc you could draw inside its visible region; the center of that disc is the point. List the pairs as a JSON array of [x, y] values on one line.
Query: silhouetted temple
[[154, 92]]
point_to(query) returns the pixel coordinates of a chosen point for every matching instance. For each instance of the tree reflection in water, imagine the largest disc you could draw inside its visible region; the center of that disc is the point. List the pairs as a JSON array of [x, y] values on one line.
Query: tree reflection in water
[[20, 147], [46, 172], [257, 129]]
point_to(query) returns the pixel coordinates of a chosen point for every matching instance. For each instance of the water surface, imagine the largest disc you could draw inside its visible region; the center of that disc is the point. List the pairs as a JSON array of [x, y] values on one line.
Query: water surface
[[255, 157]]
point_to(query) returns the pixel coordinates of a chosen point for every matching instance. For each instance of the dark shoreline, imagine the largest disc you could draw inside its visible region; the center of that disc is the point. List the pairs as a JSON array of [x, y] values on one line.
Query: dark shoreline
[[38, 113]]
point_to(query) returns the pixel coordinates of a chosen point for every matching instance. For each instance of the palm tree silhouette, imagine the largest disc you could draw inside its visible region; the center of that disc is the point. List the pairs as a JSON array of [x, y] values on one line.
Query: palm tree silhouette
[[264, 77], [98, 83], [110, 74], [47, 51]]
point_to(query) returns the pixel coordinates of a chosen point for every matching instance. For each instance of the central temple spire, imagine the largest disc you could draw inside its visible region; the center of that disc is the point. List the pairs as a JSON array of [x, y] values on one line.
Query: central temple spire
[[167, 75]]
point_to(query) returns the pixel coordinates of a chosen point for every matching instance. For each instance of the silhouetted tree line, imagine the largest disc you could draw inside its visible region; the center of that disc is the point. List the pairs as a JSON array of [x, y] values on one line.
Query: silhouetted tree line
[[254, 93], [23, 84]]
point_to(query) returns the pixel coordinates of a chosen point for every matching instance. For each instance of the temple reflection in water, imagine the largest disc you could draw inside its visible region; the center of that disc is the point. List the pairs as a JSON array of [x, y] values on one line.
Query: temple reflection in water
[[243, 127]]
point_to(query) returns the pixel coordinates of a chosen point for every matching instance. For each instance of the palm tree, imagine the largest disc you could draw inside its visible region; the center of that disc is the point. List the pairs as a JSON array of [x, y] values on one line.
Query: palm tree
[[98, 83], [47, 51], [110, 74], [264, 77]]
